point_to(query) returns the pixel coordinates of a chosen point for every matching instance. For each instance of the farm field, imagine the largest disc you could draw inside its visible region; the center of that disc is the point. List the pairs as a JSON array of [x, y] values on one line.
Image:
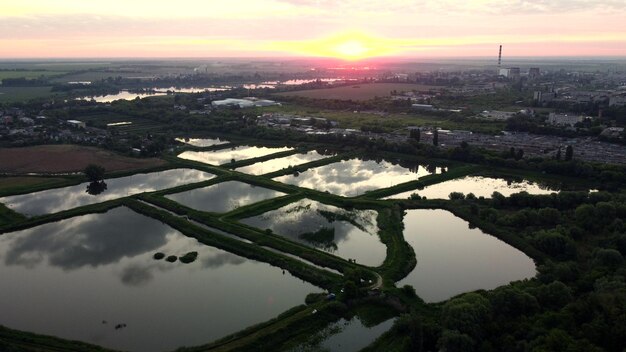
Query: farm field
[[29, 74], [358, 91], [67, 158], [16, 94]]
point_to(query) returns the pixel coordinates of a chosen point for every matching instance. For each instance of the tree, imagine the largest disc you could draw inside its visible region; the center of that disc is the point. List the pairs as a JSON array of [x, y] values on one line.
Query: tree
[[94, 173], [436, 138], [520, 154], [558, 154], [569, 153]]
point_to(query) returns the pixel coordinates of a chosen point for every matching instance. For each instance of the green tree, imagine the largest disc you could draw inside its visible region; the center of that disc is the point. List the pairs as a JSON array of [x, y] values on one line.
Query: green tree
[[94, 173], [436, 138], [569, 153]]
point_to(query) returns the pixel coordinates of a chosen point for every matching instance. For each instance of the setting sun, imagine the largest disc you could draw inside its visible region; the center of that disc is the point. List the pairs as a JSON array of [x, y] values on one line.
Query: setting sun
[[350, 45], [351, 49]]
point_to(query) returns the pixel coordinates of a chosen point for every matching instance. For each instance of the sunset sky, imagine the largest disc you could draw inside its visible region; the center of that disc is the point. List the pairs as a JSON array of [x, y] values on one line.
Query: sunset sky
[[350, 29]]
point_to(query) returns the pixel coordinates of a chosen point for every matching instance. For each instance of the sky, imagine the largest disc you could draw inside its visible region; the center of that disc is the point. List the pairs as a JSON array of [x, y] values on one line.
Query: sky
[[347, 29]]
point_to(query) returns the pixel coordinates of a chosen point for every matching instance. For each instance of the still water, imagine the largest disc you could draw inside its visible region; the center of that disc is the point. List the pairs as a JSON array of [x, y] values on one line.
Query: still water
[[345, 336], [202, 142], [452, 258], [79, 278], [223, 197], [59, 199], [356, 176], [479, 186], [224, 156], [280, 163], [122, 95], [349, 234]]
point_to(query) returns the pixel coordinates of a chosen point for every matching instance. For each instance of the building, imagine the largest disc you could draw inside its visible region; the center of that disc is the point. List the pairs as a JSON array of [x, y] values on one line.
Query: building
[[422, 106], [564, 119], [617, 100], [534, 72], [76, 124], [243, 103], [613, 132], [497, 115], [544, 97], [511, 73]]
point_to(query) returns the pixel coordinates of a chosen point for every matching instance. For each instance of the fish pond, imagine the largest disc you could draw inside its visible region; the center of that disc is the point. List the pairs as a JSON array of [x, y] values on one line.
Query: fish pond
[[356, 176], [224, 156], [453, 258], [272, 165], [59, 199], [94, 278], [349, 234], [224, 196], [478, 185]]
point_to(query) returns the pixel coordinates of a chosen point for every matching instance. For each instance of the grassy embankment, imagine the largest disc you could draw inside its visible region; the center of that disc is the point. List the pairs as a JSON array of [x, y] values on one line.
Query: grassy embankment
[[21, 341]]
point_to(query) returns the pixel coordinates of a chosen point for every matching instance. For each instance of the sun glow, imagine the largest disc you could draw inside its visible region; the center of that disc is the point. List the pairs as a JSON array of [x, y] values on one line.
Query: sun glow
[[347, 46]]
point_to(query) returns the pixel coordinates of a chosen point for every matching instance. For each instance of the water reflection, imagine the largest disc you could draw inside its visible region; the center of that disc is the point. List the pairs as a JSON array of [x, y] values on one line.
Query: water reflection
[[350, 234], [280, 163], [223, 156], [122, 95], [479, 186], [188, 89], [85, 241], [55, 200], [452, 258], [87, 274], [344, 336], [96, 187], [356, 176], [224, 196], [202, 142]]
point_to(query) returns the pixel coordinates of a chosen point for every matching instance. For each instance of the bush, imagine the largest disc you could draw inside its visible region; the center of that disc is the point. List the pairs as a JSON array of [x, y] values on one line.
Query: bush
[[158, 256], [189, 257], [171, 258]]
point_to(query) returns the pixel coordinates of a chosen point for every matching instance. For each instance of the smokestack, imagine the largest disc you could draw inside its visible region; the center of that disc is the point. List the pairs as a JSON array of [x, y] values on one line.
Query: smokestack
[[500, 57]]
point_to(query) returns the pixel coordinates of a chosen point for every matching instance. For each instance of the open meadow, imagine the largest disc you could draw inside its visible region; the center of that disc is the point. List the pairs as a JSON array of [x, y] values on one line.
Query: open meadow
[[359, 91]]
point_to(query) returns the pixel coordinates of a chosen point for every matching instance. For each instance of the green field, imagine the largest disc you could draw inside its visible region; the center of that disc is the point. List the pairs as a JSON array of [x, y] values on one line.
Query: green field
[[28, 74], [359, 91], [20, 94], [137, 124], [391, 122]]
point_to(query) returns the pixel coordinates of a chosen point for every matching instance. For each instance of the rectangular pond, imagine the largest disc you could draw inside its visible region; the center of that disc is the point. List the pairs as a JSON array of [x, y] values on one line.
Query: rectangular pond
[[202, 142], [349, 234], [356, 176], [225, 156], [59, 199], [478, 185], [453, 258], [223, 197], [94, 278], [272, 165]]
